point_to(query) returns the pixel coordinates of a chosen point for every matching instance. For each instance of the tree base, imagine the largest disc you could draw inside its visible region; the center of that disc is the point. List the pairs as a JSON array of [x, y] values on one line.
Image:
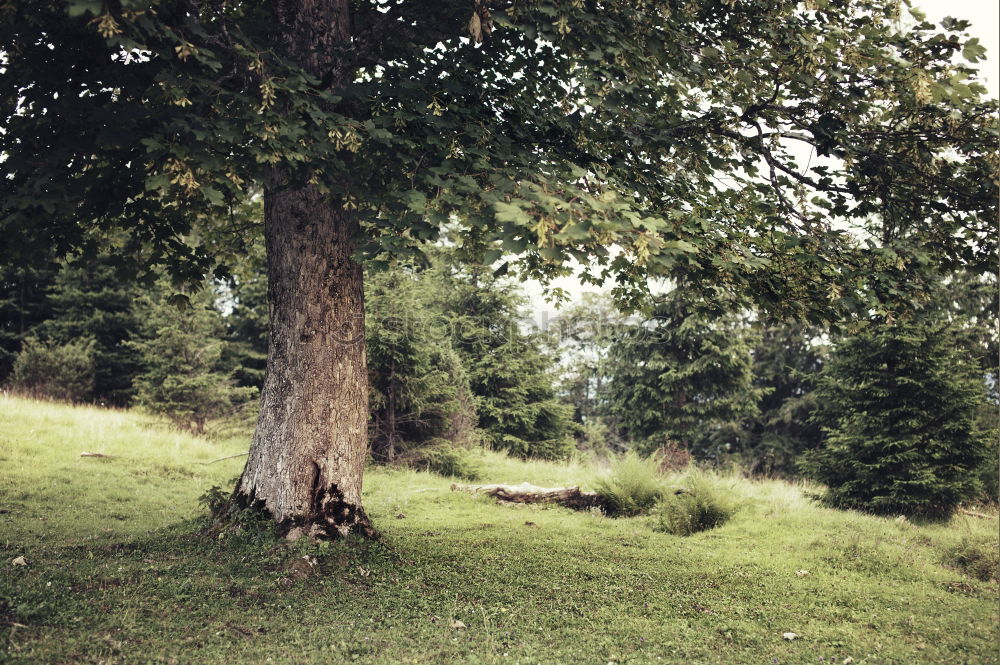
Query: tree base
[[319, 530], [330, 518]]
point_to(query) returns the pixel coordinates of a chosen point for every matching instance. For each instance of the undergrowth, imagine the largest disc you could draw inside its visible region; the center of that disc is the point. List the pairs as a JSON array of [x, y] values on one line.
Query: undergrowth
[[633, 486], [698, 504]]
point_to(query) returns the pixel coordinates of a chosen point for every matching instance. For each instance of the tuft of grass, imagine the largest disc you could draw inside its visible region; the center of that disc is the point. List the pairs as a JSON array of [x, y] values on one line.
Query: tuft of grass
[[975, 559], [448, 460], [633, 486], [698, 505]]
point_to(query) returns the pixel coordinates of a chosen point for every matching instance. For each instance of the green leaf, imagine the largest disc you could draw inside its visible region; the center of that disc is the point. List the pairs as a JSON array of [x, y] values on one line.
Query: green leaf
[[180, 301], [974, 51], [508, 212]]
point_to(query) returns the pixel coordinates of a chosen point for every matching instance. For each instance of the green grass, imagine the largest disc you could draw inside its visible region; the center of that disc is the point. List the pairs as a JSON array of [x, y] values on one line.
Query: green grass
[[697, 504], [119, 574], [632, 486]]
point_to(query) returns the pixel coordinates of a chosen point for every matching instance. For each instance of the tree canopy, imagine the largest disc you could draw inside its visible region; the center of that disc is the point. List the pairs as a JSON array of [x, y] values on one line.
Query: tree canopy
[[641, 138]]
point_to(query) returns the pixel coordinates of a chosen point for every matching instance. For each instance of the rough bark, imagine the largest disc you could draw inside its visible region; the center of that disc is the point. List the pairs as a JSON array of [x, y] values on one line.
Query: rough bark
[[308, 452], [570, 497]]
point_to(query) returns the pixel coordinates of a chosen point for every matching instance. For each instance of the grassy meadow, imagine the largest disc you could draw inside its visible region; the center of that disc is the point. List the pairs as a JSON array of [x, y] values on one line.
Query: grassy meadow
[[120, 569]]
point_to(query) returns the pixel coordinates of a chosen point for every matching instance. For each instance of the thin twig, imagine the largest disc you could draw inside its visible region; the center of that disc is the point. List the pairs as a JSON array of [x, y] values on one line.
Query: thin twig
[[229, 457]]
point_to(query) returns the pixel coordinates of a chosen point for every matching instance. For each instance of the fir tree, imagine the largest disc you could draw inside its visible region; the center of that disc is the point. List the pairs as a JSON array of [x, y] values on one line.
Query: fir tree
[[683, 375], [245, 352], [786, 360], [89, 298], [585, 332], [23, 305], [181, 349], [511, 376], [419, 391], [898, 416]]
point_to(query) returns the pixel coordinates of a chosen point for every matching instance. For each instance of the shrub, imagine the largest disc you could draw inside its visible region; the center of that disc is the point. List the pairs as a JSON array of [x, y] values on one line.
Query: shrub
[[446, 459], [57, 371], [673, 457], [633, 486], [696, 506]]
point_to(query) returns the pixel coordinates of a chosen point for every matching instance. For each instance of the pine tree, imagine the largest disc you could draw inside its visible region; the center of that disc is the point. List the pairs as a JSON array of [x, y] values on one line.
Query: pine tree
[[585, 332], [181, 350], [246, 331], [511, 376], [245, 352], [683, 375], [419, 391], [786, 360], [89, 298], [898, 416], [23, 305]]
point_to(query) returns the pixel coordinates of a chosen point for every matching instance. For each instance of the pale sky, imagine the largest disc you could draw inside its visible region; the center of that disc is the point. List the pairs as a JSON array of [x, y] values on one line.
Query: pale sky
[[985, 18]]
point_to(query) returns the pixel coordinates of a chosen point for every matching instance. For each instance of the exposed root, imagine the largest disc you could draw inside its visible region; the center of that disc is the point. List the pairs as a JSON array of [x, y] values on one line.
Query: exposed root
[[330, 518]]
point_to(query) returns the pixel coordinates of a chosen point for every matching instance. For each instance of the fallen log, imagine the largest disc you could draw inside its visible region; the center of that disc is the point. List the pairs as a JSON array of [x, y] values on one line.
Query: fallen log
[[569, 497], [972, 513]]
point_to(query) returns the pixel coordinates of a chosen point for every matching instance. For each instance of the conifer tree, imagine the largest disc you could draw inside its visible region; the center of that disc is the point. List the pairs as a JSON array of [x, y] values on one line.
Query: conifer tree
[[245, 351], [684, 374], [181, 350], [23, 305], [511, 376], [90, 299], [786, 360], [419, 390], [898, 417]]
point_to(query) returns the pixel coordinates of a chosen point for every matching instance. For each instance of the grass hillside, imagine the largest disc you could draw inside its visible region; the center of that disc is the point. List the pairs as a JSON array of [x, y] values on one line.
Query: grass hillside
[[119, 570]]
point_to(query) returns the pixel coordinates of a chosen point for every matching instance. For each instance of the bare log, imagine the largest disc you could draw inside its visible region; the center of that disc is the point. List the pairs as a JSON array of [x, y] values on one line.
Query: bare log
[[569, 497], [972, 513]]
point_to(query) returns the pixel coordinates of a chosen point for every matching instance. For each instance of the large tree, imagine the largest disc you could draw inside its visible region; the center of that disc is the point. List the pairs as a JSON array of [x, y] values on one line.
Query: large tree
[[683, 375], [639, 137], [899, 419]]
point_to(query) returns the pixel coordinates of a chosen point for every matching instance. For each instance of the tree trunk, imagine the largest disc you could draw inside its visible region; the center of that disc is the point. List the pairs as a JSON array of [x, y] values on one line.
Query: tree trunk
[[309, 449]]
